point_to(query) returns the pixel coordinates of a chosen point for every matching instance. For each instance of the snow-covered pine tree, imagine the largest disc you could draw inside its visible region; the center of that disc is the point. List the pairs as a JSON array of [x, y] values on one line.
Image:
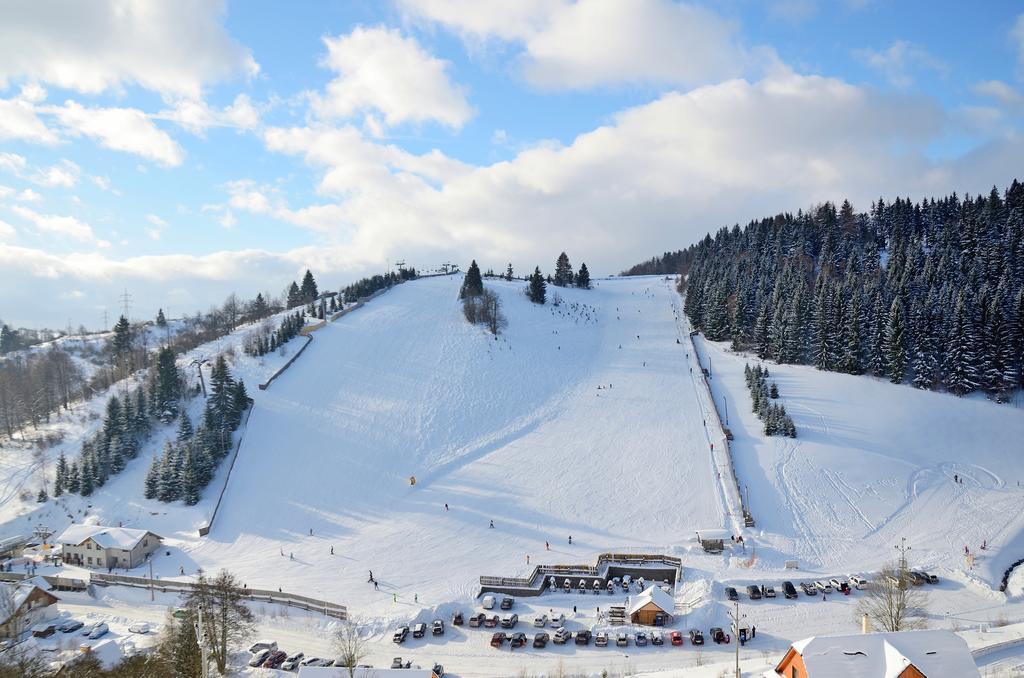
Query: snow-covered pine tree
[[185, 430], [536, 289], [896, 343], [151, 487], [508, 273], [61, 476], [308, 290], [960, 375]]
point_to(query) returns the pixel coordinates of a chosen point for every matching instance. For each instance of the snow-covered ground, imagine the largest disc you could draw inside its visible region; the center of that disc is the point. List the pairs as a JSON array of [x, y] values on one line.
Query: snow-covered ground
[[516, 430]]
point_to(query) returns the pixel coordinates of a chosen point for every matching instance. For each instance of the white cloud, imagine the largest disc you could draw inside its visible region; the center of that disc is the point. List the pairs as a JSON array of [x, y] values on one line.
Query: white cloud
[[379, 70], [1000, 91], [55, 224], [174, 47], [1017, 36], [899, 60], [19, 119], [28, 195], [100, 182], [227, 220], [158, 226], [7, 232], [588, 43], [64, 174], [6, 191], [197, 116], [121, 129], [12, 162]]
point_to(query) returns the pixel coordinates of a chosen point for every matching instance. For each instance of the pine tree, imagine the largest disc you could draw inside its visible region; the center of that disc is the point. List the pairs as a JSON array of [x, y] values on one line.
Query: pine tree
[[42, 497], [583, 277], [851, 361], [472, 284], [240, 401], [87, 479], [189, 483], [152, 482], [122, 339], [294, 296], [998, 376], [508, 272], [61, 478], [536, 290], [161, 321], [185, 430], [308, 290], [961, 377], [168, 388], [74, 478], [896, 343], [9, 340], [169, 487], [563, 271]]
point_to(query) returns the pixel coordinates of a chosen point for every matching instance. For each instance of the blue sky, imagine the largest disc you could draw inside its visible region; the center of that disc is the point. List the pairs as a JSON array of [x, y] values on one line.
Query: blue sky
[[184, 150]]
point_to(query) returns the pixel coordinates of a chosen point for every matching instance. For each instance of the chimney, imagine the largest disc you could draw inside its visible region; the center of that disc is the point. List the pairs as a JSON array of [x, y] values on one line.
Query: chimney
[[865, 625]]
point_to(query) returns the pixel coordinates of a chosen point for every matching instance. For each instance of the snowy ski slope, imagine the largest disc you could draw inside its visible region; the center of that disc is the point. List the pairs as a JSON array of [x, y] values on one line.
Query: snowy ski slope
[[513, 430]]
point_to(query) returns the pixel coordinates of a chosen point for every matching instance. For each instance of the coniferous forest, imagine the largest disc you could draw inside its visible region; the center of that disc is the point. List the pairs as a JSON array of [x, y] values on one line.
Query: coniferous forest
[[928, 293]]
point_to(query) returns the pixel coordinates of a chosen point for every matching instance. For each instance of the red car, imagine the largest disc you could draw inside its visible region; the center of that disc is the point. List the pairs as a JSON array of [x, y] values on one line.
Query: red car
[[677, 638], [275, 660], [491, 622], [498, 639]]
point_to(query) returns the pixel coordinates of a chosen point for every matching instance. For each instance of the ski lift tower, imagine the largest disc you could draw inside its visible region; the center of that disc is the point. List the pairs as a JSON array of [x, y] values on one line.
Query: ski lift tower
[[42, 533]]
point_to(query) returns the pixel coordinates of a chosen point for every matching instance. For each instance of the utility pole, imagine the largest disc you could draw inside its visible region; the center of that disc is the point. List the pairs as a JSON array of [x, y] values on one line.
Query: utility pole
[[126, 302], [104, 320], [736, 617], [152, 595], [903, 548]]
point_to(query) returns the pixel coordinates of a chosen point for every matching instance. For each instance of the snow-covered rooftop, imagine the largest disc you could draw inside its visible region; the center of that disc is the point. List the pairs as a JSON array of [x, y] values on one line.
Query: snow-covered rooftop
[[107, 537], [935, 653], [23, 588], [653, 594]]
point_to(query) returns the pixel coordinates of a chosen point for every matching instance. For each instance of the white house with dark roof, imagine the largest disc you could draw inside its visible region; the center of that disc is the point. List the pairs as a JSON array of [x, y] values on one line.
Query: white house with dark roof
[[109, 547]]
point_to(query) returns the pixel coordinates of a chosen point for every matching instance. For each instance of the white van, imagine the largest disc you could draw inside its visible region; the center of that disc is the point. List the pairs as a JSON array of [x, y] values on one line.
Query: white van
[[488, 602]]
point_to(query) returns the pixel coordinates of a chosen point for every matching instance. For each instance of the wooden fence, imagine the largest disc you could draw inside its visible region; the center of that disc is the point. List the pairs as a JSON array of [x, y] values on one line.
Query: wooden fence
[[164, 585]]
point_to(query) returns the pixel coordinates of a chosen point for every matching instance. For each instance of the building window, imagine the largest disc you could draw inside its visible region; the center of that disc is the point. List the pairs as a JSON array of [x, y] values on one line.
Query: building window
[[145, 542], [89, 560], [793, 672], [88, 545]]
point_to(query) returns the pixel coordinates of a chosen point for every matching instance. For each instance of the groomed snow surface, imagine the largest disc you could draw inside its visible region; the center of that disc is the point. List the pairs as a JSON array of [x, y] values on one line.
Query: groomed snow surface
[[516, 430]]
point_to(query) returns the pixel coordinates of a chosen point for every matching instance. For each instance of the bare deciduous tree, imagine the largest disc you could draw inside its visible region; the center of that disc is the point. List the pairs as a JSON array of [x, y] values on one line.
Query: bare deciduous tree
[[892, 603], [226, 618], [350, 646]]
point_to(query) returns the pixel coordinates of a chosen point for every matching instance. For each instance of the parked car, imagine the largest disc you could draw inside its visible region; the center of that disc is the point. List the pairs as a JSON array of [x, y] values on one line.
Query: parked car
[[510, 621], [823, 586], [262, 645], [275, 659], [556, 620], [676, 638], [437, 628], [657, 638], [99, 631], [259, 657], [622, 639], [492, 622], [769, 591], [70, 626], [561, 636], [858, 582], [488, 602], [754, 592], [601, 639], [583, 637], [315, 661], [640, 639], [507, 603], [932, 579], [696, 637], [438, 670], [836, 583], [457, 619], [419, 630], [541, 621], [498, 639], [809, 588], [477, 619], [718, 635], [139, 627], [87, 628], [518, 639], [401, 634], [397, 663], [292, 662], [788, 590], [730, 593], [541, 639]]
